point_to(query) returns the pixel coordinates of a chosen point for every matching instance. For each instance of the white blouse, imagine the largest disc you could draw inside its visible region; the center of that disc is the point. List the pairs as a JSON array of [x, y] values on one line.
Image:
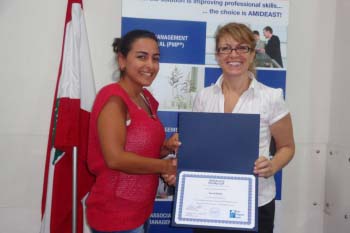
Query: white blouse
[[257, 99]]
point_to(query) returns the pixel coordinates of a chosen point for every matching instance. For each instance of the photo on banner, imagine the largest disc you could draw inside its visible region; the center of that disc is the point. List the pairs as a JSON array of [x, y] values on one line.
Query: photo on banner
[[186, 32]]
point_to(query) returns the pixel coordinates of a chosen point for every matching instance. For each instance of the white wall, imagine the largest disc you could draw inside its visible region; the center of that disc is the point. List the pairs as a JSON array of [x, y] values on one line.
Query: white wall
[[31, 37], [338, 158], [31, 34], [309, 75], [29, 56]]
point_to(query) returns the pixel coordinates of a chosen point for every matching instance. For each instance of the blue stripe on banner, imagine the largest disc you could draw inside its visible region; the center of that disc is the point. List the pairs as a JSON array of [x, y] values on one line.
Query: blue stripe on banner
[[211, 76], [180, 42], [170, 121], [271, 78], [161, 219], [278, 180]]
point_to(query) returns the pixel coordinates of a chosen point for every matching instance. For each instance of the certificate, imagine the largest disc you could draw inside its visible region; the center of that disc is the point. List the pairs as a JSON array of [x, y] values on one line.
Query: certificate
[[208, 199], [216, 186]]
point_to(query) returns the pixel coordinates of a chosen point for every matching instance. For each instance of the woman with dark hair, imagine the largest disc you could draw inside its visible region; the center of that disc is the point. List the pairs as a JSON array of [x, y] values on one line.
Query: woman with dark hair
[[127, 141]]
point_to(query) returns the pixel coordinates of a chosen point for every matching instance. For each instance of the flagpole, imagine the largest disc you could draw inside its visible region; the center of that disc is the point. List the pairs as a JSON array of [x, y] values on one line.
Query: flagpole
[[74, 192]]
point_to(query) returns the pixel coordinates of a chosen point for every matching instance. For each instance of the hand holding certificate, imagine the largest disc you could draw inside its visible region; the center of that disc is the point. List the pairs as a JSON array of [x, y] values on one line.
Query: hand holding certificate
[[216, 187]]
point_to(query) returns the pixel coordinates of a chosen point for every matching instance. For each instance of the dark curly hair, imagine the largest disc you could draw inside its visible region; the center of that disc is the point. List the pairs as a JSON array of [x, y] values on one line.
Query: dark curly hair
[[123, 45]]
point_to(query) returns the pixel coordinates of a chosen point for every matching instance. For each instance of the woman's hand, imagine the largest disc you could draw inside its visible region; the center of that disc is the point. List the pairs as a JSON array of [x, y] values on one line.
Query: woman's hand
[[169, 179], [170, 166], [263, 167], [171, 145], [170, 176]]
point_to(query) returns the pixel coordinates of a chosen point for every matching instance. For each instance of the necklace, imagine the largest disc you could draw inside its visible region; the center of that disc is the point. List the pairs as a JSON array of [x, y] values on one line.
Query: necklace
[[148, 105]]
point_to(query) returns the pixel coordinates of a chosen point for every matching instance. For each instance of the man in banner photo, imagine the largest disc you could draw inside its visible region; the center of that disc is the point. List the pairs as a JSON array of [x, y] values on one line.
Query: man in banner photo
[[273, 46], [74, 95]]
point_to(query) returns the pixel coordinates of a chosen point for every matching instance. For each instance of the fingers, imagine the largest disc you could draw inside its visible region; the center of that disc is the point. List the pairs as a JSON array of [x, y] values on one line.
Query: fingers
[[169, 176], [175, 136], [173, 143], [169, 179], [171, 166], [174, 162], [263, 167]]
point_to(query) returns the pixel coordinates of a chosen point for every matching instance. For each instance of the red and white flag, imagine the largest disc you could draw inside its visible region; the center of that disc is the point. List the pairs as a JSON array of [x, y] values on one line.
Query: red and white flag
[[74, 96]]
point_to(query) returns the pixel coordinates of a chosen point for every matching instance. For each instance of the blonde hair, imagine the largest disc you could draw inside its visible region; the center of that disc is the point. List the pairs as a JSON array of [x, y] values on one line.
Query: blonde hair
[[240, 33]]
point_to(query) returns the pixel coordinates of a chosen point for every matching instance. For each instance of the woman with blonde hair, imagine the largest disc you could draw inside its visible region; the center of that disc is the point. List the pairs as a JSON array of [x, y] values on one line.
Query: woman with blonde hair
[[237, 91]]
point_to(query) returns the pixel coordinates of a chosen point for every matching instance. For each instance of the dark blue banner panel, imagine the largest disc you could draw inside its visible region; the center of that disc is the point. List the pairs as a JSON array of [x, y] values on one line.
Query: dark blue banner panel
[[161, 219], [180, 42], [272, 78]]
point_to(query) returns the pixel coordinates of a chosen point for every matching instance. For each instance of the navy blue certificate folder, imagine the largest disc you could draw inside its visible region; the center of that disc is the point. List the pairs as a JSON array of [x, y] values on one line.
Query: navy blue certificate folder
[[216, 143]]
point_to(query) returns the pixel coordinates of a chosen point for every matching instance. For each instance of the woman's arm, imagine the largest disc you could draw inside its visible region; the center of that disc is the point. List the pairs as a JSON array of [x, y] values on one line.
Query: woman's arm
[[111, 127]]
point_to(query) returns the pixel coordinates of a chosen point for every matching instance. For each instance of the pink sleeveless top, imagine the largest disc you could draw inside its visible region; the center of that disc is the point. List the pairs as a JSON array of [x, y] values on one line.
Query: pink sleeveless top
[[117, 200]]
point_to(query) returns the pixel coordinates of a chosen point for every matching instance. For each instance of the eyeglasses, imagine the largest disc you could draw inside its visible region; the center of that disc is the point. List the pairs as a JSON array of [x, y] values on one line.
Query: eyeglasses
[[239, 49]]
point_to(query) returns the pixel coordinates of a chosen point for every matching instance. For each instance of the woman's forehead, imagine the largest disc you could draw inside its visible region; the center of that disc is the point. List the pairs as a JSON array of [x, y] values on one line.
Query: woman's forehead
[[145, 44], [227, 39]]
